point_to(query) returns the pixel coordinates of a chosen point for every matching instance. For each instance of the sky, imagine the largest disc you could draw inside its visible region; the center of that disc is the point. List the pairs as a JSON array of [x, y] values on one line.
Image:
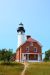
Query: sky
[[34, 14]]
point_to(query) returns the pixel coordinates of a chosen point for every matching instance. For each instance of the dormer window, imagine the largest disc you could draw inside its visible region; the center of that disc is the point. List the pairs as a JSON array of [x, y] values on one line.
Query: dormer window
[[35, 49], [27, 49]]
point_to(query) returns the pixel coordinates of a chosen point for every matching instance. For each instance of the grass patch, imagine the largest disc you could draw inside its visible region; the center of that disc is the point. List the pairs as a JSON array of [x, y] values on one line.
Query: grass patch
[[38, 69], [14, 68], [11, 68]]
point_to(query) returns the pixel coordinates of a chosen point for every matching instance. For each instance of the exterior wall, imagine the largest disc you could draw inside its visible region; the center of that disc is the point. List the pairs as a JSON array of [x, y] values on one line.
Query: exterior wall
[[18, 55], [21, 38], [22, 49], [31, 48]]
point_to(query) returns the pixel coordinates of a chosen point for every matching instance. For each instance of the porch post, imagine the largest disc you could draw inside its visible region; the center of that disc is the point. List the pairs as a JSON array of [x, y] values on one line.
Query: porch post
[[39, 58], [28, 56]]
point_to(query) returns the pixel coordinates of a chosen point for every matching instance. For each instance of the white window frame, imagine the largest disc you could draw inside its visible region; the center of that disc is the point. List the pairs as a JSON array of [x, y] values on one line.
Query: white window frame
[[27, 49], [35, 48]]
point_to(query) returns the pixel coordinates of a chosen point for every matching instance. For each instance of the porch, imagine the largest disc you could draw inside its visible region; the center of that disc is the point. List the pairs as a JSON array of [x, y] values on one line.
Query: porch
[[31, 57]]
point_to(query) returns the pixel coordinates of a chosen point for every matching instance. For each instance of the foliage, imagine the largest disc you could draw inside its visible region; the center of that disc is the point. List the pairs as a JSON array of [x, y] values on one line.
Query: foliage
[[47, 55], [5, 54]]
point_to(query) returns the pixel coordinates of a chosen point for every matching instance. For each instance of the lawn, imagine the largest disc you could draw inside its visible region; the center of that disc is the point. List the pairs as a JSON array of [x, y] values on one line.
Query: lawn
[[11, 68], [32, 69], [38, 69]]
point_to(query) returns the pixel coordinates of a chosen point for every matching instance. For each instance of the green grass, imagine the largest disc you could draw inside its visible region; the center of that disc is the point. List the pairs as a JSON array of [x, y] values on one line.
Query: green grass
[[38, 69], [11, 68]]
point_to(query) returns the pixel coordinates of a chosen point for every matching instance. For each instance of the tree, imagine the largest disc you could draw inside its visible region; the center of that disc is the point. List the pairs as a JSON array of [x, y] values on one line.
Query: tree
[[0, 55], [47, 55], [8, 55], [5, 54]]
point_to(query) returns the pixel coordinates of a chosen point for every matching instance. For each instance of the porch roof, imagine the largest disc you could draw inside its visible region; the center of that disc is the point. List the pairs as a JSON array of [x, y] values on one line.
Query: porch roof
[[32, 53]]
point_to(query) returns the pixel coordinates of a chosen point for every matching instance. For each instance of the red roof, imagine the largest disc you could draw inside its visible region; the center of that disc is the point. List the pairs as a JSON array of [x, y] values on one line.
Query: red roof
[[30, 40], [33, 40]]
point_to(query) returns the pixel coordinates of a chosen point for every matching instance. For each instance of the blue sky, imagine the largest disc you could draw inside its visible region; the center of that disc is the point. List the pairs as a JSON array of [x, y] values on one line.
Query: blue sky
[[34, 14]]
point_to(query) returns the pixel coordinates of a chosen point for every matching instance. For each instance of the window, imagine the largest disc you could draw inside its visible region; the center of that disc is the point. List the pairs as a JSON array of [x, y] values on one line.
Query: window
[[35, 49], [27, 49], [31, 44]]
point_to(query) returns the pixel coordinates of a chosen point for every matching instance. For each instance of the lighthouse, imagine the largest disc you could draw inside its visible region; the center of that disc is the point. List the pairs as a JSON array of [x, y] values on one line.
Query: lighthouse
[[21, 34]]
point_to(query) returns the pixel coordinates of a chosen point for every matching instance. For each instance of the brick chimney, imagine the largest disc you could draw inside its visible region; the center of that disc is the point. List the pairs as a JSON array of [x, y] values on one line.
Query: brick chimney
[[28, 36]]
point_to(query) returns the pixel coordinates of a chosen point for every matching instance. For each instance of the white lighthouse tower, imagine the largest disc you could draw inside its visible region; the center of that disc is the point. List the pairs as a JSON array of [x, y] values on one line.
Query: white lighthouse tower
[[21, 34]]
